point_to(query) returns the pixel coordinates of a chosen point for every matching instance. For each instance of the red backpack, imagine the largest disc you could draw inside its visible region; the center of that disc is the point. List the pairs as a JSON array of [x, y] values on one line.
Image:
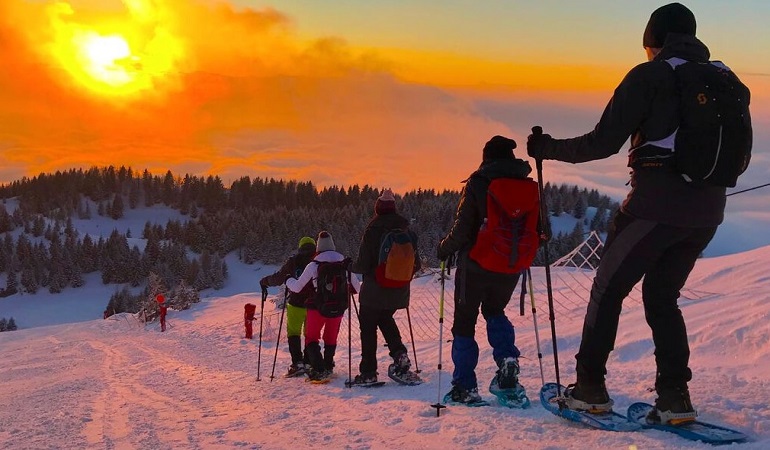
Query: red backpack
[[508, 239]]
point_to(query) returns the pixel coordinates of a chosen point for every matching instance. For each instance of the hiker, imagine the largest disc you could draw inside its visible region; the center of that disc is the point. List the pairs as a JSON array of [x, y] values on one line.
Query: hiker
[[666, 220], [381, 295], [297, 302], [163, 310], [479, 288], [324, 316]]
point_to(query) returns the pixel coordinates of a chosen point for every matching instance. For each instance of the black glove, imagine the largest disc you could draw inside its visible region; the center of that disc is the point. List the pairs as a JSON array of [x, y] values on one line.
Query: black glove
[[263, 283], [440, 254], [536, 145]]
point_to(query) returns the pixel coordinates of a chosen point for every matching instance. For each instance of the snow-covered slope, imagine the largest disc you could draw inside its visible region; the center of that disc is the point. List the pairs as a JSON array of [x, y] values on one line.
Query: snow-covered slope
[[118, 384]]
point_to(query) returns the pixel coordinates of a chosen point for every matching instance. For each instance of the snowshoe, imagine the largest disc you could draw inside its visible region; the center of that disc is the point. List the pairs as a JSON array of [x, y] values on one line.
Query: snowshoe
[[515, 397]]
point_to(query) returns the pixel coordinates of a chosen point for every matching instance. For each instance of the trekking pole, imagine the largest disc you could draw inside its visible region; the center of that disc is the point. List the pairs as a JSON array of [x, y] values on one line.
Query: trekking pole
[[261, 318], [411, 335], [537, 130], [280, 325], [438, 405], [534, 319]]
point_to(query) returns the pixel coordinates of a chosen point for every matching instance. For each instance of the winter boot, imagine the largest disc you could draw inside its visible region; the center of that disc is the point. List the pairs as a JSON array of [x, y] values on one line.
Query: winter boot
[[296, 370], [589, 397], [313, 351], [400, 373], [401, 364], [365, 378], [673, 407], [508, 373], [329, 351], [459, 394], [505, 385]]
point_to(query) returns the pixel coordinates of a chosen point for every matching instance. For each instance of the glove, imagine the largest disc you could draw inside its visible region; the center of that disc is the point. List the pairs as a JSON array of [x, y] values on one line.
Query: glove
[[440, 254], [536, 145], [263, 283]]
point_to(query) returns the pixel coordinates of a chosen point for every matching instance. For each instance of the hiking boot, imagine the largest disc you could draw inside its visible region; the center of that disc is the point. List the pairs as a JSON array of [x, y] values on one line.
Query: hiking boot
[[296, 370], [589, 397], [673, 407], [459, 394], [401, 364], [508, 373], [319, 375], [365, 378]]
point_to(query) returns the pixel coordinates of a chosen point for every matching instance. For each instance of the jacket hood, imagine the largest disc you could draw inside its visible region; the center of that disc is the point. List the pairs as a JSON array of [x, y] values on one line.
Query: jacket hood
[[504, 168], [684, 46]]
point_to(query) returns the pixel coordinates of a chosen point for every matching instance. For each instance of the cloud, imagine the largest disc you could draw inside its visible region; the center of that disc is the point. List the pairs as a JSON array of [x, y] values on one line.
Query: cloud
[[235, 91]]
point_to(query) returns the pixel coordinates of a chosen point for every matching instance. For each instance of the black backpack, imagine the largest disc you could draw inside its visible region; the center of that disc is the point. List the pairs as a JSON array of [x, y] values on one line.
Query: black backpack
[[331, 296], [713, 142]]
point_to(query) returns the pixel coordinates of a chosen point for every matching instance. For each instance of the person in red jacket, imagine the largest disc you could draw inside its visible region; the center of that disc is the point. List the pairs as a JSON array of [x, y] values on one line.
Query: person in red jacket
[[163, 309]]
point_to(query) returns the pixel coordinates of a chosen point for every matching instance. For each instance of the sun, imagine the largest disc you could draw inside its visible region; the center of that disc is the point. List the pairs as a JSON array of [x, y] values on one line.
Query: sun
[[106, 59]]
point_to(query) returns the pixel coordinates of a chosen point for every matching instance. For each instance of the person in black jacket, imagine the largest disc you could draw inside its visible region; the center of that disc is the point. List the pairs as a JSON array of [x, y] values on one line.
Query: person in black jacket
[[476, 287], [296, 305], [378, 303], [662, 227]]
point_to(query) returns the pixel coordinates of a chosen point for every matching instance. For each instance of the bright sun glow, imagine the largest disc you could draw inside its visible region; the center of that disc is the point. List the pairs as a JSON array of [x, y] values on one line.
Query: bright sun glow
[[105, 59], [127, 58]]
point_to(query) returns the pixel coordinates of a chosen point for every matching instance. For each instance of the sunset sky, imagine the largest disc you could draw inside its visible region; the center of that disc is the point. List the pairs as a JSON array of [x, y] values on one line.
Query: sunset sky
[[399, 93]]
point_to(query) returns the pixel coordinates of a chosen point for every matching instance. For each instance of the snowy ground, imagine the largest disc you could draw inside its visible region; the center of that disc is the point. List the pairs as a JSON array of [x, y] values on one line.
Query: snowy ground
[[117, 384]]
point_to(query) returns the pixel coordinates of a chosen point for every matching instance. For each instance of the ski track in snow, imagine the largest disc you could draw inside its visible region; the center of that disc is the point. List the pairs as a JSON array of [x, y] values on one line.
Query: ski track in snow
[[116, 384]]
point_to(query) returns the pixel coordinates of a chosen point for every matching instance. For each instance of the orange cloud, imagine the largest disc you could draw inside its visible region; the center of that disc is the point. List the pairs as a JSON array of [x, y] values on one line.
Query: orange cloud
[[209, 88]]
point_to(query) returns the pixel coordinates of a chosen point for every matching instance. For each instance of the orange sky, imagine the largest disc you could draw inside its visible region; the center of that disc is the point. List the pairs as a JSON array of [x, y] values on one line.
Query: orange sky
[[204, 87]]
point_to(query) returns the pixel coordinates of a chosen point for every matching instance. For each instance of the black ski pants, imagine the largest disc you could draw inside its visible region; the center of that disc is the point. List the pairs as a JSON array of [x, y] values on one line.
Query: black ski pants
[[664, 255], [370, 319]]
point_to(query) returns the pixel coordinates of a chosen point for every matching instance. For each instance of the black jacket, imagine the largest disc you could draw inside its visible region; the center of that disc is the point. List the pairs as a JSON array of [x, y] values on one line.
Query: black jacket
[[293, 267], [472, 208], [644, 107], [372, 294]]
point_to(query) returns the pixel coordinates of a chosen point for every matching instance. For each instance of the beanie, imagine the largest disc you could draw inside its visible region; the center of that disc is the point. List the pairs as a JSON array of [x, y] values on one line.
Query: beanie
[[324, 242], [386, 203], [160, 298], [499, 147], [306, 240], [671, 18]]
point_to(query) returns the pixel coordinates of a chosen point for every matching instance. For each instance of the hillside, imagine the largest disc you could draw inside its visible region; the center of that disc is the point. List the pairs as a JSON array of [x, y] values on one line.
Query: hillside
[[117, 384]]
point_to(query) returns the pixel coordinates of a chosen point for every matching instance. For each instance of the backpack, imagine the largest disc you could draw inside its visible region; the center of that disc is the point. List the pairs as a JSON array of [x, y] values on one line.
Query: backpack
[[508, 239], [395, 264], [331, 296], [712, 145]]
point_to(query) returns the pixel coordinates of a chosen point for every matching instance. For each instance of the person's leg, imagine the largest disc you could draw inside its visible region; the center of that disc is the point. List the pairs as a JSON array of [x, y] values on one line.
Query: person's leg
[[390, 332], [632, 248], [331, 332], [465, 349], [367, 322], [500, 332], [313, 324], [660, 291], [295, 319]]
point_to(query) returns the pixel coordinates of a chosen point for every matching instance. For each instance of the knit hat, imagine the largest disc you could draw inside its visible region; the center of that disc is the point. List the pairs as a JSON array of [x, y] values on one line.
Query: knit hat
[[386, 203], [306, 240], [324, 242], [499, 147], [160, 298], [671, 18]]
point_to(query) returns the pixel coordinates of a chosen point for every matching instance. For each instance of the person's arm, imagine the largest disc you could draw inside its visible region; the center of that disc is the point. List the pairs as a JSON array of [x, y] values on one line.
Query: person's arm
[[466, 224], [623, 115], [277, 279], [365, 262], [297, 284]]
